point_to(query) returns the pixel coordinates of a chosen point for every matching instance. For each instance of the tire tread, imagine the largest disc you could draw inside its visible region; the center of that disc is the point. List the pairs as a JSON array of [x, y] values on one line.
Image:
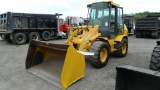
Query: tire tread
[[118, 46], [96, 47], [155, 59]]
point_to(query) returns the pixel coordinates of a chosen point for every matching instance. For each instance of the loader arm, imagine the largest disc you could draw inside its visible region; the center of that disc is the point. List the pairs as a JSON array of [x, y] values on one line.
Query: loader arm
[[83, 41]]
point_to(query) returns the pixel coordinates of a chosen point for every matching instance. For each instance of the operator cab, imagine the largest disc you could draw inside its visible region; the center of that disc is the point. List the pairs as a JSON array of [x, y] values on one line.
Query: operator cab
[[108, 15]]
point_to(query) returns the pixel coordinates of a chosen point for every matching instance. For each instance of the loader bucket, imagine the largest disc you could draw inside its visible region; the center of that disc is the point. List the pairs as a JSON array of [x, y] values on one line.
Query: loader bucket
[[56, 63], [134, 78]]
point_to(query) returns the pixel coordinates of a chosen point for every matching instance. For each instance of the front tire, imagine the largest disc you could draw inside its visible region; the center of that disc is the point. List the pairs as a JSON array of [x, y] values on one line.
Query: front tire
[[101, 52], [122, 48], [155, 59]]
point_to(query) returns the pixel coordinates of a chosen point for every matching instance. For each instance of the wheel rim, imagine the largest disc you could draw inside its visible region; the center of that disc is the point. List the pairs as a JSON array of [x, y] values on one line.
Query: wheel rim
[[103, 55], [20, 38], [46, 35], [35, 37], [124, 48]]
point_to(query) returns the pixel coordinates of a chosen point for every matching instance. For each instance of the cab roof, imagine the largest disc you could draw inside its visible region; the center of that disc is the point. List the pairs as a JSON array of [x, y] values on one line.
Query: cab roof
[[107, 1]]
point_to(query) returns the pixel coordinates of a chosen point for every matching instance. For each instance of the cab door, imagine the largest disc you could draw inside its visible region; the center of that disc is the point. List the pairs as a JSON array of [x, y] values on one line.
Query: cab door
[[119, 20]]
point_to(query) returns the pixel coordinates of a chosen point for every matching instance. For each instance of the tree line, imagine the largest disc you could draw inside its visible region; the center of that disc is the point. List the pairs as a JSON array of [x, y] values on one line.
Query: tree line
[[143, 14]]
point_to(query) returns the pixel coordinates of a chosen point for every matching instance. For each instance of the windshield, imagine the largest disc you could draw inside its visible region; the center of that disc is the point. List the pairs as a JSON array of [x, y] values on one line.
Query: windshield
[[99, 14]]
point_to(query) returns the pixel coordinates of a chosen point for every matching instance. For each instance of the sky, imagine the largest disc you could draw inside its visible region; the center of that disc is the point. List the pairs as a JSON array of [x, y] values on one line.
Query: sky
[[73, 7]]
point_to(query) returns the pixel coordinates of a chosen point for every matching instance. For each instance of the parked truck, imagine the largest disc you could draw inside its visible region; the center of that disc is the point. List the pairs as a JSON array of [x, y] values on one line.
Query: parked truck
[[19, 28], [129, 22], [148, 26]]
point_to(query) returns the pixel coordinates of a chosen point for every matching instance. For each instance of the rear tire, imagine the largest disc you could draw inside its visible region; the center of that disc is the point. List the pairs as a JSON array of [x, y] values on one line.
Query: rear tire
[[122, 48], [34, 35], [46, 35], [138, 36], [155, 59], [101, 52], [157, 36], [19, 38]]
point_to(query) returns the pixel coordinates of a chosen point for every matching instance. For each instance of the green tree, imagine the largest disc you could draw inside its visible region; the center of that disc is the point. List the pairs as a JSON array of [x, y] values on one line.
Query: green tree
[[143, 14]]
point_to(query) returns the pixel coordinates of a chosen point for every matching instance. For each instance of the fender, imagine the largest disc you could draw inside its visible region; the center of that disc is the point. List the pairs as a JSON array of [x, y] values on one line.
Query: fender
[[118, 38]]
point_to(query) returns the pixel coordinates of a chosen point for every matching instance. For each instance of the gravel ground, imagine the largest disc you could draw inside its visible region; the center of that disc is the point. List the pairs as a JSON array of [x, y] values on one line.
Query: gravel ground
[[13, 75]]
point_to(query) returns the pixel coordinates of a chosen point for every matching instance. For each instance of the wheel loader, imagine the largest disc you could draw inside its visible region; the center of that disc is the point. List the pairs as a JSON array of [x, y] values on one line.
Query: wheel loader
[[64, 64]]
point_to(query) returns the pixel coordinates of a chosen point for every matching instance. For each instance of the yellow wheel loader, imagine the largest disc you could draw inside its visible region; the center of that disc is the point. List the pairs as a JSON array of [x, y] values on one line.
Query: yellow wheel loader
[[65, 64]]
